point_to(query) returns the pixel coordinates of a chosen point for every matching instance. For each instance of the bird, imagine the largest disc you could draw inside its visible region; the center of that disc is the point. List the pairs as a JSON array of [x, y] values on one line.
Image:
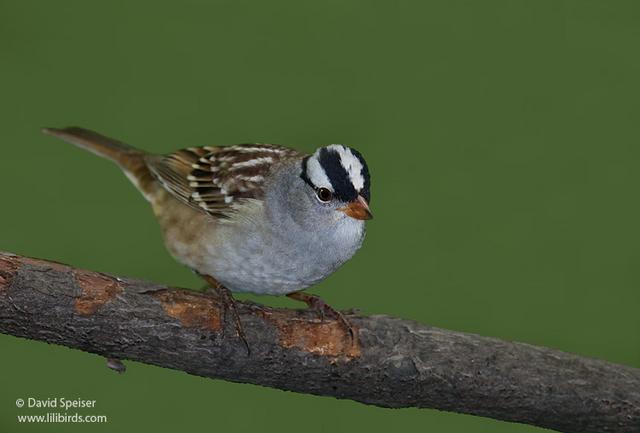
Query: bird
[[257, 218]]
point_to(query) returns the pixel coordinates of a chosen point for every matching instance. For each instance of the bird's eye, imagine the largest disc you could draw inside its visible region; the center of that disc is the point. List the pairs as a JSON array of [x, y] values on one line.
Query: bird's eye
[[324, 195]]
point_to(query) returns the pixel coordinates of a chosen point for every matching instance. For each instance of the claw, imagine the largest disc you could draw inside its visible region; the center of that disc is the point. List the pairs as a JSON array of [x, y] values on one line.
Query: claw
[[317, 304], [228, 303]]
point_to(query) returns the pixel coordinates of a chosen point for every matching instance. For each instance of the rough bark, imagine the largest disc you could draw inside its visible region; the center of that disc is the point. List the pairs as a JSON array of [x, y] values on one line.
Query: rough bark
[[391, 363]]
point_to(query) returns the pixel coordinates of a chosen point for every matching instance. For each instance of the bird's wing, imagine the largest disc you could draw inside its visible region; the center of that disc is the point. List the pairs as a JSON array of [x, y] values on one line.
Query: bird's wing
[[212, 179]]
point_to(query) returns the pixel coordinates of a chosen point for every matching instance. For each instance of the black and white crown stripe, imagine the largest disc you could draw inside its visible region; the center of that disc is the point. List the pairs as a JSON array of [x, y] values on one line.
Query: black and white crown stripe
[[315, 174], [340, 169], [352, 163]]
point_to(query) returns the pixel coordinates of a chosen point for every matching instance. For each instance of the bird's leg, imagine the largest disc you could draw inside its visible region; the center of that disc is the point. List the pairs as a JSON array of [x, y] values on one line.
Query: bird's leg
[[228, 303], [318, 305]]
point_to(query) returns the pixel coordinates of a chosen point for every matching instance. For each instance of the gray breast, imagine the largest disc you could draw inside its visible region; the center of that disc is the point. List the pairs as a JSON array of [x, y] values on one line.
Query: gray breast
[[252, 256]]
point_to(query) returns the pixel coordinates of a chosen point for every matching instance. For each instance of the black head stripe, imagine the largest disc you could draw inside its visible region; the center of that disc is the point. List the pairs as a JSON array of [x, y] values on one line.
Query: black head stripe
[[342, 187], [366, 189], [304, 174]]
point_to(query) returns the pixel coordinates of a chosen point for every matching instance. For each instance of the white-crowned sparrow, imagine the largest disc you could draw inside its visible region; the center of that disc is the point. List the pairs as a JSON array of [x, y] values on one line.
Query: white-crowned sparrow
[[257, 218]]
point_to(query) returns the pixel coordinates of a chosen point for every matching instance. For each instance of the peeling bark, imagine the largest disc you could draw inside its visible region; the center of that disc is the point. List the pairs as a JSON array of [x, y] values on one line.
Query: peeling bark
[[191, 309], [97, 290], [390, 363]]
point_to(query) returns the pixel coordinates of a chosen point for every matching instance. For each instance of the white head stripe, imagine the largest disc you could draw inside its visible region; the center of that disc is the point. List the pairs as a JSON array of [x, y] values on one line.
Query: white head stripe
[[351, 164], [316, 173]]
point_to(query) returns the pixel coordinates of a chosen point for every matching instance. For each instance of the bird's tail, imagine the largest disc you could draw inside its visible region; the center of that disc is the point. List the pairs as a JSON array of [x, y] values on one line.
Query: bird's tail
[[128, 158]]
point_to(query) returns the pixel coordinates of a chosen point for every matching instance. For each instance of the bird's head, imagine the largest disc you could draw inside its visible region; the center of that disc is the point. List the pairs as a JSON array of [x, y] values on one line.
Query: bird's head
[[338, 177]]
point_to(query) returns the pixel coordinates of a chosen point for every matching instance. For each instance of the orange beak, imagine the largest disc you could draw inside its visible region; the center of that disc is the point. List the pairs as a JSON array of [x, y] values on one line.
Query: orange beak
[[358, 209]]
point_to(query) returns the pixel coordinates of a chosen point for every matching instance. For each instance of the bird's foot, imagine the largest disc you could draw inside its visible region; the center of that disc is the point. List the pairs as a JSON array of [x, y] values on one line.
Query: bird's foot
[[323, 309], [228, 304]]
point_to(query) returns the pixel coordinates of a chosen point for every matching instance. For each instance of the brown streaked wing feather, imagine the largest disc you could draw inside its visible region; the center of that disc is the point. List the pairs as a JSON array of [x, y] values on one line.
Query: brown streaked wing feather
[[211, 179]]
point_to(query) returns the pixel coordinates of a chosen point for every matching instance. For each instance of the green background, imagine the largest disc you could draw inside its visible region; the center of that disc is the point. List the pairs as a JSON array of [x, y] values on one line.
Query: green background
[[503, 139]]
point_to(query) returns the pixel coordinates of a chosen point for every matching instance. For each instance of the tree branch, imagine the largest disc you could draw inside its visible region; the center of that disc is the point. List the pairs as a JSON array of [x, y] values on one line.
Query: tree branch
[[391, 363]]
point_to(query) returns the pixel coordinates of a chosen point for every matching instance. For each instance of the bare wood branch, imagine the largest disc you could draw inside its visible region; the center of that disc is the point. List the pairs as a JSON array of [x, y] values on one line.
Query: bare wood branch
[[392, 362]]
